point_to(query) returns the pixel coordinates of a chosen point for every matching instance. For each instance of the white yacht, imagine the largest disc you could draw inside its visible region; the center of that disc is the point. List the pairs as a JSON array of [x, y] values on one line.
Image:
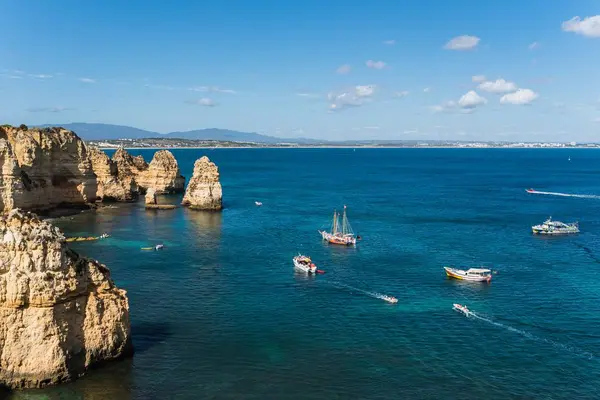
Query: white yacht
[[550, 227]]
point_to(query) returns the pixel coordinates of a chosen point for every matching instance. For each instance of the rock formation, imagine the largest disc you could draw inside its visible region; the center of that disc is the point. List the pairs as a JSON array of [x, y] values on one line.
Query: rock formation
[[43, 168], [151, 197], [162, 174], [111, 185], [204, 189], [60, 313]]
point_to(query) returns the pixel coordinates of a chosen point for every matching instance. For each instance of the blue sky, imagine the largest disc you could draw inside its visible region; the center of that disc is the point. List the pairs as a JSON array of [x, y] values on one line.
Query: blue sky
[[469, 70]]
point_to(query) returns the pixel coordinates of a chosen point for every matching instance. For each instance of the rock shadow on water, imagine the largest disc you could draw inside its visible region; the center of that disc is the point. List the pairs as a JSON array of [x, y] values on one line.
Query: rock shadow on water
[[146, 335], [205, 222]]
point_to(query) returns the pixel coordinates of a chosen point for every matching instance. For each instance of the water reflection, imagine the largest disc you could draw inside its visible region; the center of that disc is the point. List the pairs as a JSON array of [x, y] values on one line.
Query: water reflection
[[111, 381], [206, 223]]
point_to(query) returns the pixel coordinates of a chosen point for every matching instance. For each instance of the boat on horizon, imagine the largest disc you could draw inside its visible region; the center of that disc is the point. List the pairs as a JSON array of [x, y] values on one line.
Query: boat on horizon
[[340, 235], [550, 227], [471, 274], [530, 190]]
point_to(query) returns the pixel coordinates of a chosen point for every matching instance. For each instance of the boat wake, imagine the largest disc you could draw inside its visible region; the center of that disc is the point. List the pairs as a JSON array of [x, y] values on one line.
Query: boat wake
[[528, 335], [375, 295], [581, 196]]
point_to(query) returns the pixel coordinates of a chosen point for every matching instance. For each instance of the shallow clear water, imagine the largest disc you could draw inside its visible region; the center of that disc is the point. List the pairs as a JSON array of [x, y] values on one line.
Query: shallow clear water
[[219, 313]]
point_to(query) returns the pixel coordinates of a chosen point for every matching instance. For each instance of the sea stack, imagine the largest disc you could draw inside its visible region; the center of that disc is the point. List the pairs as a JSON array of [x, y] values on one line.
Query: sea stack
[[204, 190], [60, 313], [44, 168], [162, 174], [111, 186]]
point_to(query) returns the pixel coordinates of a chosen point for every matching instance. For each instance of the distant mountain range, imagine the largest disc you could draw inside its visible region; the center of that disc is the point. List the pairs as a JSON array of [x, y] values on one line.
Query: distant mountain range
[[88, 131]]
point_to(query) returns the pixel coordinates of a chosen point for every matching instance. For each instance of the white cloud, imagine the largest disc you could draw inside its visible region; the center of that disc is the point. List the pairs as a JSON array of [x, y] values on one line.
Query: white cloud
[[520, 97], [308, 95], [40, 76], [48, 109], [533, 46], [205, 101], [464, 42], [376, 64], [426, 90], [498, 86], [212, 89], [448, 105], [87, 80], [343, 69], [389, 42], [478, 78], [589, 26], [471, 100], [365, 90], [403, 93], [357, 97], [371, 128]]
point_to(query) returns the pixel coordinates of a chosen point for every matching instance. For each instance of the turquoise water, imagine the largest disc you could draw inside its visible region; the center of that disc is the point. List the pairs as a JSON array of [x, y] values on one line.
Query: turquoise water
[[219, 313]]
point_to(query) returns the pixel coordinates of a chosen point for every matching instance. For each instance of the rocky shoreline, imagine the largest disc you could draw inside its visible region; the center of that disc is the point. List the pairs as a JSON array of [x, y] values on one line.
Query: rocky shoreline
[[61, 313]]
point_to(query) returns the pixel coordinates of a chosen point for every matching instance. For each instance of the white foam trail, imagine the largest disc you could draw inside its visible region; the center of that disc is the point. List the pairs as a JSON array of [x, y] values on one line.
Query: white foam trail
[[528, 335], [581, 196], [366, 292]]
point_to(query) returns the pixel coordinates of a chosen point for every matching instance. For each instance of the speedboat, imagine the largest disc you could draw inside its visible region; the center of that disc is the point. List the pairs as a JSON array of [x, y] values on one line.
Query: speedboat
[[159, 246], [471, 274], [530, 190], [461, 308], [258, 203], [550, 227], [389, 299], [304, 264]]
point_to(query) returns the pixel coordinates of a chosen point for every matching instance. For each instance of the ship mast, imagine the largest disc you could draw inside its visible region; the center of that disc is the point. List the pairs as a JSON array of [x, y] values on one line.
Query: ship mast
[[334, 227], [344, 222]]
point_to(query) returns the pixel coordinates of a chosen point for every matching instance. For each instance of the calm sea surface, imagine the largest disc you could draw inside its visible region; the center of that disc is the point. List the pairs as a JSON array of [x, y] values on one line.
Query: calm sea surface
[[220, 313]]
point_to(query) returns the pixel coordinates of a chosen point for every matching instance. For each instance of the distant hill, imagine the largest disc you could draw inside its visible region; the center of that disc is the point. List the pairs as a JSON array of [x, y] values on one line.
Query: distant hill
[[89, 131], [106, 131]]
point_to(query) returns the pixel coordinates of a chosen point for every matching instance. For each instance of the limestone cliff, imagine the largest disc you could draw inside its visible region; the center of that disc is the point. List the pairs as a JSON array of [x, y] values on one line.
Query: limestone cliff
[[60, 313], [204, 190], [111, 185], [162, 174], [43, 168]]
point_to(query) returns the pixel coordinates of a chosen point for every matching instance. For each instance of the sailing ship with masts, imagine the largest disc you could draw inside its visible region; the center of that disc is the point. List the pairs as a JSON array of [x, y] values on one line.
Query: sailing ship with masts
[[343, 234]]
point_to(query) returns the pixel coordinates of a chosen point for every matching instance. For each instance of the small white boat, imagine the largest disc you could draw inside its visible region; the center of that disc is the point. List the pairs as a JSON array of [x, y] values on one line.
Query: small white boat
[[461, 308], [550, 227], [258, 203], [159, 246], [471, 274], [304, 264], [389, 299]]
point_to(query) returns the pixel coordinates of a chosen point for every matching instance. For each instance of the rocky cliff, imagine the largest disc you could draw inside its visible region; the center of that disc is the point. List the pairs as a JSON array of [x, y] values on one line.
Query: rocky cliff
[[162, 174], [111, 185], [204, 190], [42, 168], [60, 313]]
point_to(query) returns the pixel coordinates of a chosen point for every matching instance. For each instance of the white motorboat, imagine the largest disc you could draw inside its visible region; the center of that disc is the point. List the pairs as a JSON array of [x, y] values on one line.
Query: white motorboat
[[550, 227], [258, 203], [304, 264], [471, 274], [461, 308]]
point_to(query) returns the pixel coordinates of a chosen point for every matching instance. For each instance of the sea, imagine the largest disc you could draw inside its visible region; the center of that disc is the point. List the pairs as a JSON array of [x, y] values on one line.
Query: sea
[[219, 312]]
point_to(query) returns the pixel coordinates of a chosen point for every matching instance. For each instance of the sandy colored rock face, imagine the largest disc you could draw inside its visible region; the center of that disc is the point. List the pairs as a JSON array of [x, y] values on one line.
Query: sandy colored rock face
[[42, 168], [111, 186], [204, 190], [151, 196], [162, 174], [60, 313]]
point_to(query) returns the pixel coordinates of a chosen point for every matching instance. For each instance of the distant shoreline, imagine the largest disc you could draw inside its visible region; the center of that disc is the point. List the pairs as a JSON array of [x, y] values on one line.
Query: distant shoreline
[[350, 147]]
